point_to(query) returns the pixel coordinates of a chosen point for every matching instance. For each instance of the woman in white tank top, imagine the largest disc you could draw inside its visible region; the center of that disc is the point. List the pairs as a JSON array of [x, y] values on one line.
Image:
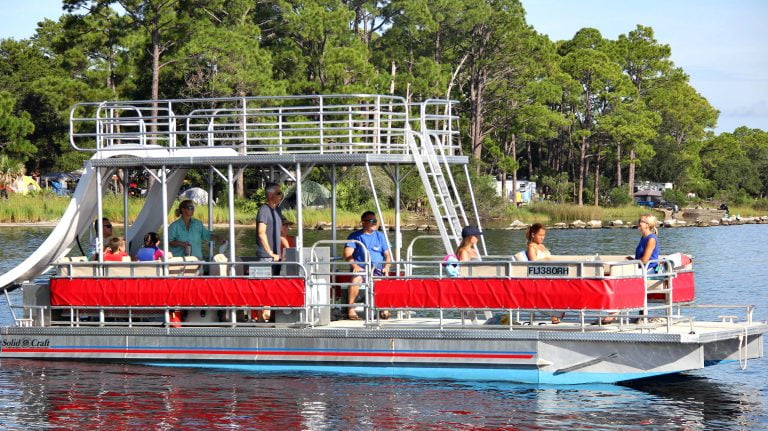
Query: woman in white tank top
[[536, 249]]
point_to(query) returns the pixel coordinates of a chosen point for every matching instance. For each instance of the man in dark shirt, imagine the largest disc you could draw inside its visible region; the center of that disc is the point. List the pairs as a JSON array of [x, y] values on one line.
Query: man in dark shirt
[[268, 222]]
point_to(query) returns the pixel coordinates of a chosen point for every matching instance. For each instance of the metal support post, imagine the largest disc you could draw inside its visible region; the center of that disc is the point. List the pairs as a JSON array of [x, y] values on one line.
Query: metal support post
[[164, 188], [299, 216]]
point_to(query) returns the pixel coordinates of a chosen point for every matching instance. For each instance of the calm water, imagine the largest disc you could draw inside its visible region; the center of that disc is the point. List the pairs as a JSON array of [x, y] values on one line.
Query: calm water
[[730, 264]]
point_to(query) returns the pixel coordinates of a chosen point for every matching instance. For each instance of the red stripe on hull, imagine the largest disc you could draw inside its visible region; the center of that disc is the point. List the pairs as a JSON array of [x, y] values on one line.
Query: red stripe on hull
[[279, 353]]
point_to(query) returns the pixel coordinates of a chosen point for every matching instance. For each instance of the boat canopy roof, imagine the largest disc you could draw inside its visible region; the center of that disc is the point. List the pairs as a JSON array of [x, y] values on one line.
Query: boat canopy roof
[[268, 160]]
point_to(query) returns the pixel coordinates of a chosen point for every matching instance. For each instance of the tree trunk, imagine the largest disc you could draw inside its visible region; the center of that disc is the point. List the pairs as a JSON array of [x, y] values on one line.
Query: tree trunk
[[155, 78], [631, 174], [453, 79], [504, 191], [618, 165], [539, 158], [570, 160], [582, 170], [597, 177], [240, 181], [529, 158], [392, 79], [111, 66], [476, 114], [477, 83], [513, 152]]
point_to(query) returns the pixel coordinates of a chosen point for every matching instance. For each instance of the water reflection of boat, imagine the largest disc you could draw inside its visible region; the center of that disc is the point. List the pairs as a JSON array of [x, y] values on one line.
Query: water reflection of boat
[[63, 395], [130, 311], [702, 400]]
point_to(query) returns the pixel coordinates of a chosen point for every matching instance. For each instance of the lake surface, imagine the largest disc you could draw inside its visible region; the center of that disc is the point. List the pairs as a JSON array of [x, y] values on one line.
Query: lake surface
[[730, 269]]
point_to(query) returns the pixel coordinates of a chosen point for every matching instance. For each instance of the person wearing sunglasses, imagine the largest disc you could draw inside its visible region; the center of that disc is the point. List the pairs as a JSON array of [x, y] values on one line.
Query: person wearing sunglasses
[[378, 250], [106, 226], [269, 223], [186, 235], [648, 247]]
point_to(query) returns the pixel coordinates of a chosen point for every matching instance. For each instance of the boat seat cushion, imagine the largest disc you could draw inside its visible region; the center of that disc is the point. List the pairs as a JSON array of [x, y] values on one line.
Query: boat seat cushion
[[511, 293], [177, 291]]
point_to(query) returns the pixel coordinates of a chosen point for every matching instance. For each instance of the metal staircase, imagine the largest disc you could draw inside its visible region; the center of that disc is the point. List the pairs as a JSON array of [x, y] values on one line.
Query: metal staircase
[[439, 186]]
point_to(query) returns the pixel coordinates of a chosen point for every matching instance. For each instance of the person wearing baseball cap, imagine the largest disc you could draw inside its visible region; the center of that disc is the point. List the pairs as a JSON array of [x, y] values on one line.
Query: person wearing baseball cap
[[467, 249]]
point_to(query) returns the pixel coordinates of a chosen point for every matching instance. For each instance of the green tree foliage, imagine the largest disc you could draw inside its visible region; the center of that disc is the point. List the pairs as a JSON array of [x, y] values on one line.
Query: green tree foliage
[[754, 143], [675, 196], [559, 189], [685, 118], [14, 129], [618, 197], [239, 67], [729, 165], [315, 51], [563, 112]]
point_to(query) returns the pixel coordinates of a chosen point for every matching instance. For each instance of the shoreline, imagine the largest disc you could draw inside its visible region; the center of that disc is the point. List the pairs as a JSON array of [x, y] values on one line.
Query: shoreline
[[517, 225], [56, 222]]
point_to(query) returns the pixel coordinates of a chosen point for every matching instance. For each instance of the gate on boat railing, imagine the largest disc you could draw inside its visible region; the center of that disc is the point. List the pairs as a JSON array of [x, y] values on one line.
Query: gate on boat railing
[[315, 124], [338, 277]]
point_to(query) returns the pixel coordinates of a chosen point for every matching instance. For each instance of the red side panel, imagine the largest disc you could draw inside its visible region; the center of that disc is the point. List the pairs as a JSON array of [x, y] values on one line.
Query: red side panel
[[189, 292], [683, 288], [595, 294]]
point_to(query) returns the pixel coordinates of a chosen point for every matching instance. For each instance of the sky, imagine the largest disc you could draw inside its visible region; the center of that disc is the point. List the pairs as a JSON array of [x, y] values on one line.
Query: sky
[[722, 45]]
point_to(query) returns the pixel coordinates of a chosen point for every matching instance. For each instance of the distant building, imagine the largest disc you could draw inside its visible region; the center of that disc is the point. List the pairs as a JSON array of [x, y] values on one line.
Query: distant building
[[648, 198], [526, 190], [648, 193], [650, 185]]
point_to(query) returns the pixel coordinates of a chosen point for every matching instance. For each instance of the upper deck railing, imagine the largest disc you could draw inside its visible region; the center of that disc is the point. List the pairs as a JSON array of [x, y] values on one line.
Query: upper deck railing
[[319, 124]]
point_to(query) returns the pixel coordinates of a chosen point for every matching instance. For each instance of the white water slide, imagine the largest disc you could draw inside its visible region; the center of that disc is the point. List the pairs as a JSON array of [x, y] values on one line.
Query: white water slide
[[82, 211]]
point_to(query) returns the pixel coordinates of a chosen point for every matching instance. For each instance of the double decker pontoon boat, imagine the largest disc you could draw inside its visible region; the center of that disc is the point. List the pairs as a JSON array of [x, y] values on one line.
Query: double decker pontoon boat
[[441, 325]]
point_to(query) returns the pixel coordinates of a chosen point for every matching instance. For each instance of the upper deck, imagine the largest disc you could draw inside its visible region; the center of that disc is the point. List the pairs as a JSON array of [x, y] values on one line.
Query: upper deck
[[320, 129]]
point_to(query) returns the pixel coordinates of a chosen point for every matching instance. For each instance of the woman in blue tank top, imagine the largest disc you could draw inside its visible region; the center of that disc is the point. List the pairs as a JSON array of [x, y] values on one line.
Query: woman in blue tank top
[[648, 248]]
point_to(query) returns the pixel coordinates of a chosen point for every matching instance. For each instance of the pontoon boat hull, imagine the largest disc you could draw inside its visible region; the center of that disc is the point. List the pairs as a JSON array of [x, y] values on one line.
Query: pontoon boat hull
[[524, 356]]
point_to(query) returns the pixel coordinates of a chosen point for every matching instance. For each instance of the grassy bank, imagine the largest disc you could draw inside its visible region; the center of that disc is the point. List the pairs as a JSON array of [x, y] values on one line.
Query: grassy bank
[[746, 211], [32, 209], [49, 208], [46, 207], [550, 213]]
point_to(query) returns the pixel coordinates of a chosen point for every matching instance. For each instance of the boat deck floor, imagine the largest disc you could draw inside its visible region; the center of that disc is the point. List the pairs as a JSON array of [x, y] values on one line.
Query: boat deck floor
[[655, 327]]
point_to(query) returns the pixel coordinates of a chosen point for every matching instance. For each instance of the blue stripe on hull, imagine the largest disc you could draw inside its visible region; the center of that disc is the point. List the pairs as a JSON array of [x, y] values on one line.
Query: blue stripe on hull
[[713, 362], [526, 375]]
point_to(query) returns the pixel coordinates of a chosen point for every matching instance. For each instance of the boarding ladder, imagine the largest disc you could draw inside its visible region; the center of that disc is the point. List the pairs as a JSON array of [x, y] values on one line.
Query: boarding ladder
[[440, 187]]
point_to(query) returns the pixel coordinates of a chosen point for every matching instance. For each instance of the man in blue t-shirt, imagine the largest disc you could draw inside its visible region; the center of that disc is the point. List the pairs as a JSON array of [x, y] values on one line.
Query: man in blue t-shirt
[[378, 250]]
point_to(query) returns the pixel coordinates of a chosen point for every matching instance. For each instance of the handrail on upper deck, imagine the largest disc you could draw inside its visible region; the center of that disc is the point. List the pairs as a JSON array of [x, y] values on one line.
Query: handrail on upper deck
[[335, 123]]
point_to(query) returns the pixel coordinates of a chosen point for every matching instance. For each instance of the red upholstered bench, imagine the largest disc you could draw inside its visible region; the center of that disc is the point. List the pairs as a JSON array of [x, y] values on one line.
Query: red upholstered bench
[[177, 291], [511, 293]]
